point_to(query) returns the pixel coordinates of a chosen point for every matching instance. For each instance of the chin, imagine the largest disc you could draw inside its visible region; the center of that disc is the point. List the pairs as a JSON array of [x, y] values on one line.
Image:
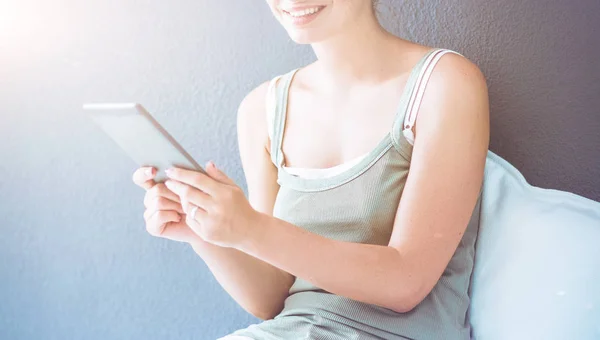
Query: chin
[[304, 38]]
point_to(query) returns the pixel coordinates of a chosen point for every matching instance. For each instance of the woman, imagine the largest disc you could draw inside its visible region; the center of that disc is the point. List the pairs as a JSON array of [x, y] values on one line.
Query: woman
[[323, 248]]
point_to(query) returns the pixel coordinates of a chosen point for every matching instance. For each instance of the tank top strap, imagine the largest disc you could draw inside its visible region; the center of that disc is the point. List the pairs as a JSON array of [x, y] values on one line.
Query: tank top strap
[[270, 101], [280, 87], [402, 134]]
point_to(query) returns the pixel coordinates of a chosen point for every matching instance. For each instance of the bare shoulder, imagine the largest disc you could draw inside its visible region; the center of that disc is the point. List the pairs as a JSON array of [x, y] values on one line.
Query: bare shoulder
[[259, 170], [456, 87], [449, 65], [251, 114], [457, 71]]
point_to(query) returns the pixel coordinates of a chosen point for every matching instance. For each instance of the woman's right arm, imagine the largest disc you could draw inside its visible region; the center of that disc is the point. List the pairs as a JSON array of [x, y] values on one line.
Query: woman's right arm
[[257, 286]]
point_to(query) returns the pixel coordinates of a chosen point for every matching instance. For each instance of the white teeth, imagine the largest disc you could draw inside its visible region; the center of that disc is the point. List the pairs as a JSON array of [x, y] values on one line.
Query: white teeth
[[304, 12]]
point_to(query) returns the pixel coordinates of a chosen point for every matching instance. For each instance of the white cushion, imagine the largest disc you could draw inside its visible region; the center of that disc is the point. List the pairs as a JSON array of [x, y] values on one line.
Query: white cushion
[[537, 261]]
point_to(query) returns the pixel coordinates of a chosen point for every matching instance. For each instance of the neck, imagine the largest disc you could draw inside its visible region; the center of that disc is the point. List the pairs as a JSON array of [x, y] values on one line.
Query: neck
[[355, 56]]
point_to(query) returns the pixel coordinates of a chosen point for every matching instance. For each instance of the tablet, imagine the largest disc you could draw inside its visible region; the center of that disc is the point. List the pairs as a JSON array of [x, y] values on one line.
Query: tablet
[[141, 137]]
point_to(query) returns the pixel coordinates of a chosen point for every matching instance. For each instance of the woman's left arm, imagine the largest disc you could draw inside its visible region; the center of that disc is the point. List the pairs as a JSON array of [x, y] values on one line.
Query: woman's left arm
[[441, 190]]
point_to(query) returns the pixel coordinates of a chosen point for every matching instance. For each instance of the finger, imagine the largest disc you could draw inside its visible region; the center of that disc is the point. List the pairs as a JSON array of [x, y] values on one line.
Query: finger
[[156, 223], [149, 212], [144, 177], [148, 184], [196, 222], [160, 190], [187, 209], [194, 178], [217, 174], [186, 205], [179, 232], [163, 203], [188, 193]]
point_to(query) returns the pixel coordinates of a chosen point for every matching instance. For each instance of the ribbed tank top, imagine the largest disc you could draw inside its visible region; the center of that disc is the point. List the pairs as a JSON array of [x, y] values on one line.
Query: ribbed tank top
[[359, 204]]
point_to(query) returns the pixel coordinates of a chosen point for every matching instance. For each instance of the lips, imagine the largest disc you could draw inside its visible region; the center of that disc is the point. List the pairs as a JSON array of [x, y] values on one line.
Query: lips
[[302, 16], [299, 11]]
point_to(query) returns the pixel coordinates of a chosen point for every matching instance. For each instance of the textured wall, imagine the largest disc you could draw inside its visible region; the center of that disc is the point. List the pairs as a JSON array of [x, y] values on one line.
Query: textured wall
[[75, 260]]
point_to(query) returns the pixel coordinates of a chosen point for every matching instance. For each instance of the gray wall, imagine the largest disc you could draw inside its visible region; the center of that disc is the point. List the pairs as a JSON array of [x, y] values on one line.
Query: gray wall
[[75, 260]]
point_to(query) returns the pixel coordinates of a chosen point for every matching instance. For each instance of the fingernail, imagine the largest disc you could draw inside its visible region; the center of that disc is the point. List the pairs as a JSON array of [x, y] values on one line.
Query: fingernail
[[210, 163], [149, 171], [169, 171]]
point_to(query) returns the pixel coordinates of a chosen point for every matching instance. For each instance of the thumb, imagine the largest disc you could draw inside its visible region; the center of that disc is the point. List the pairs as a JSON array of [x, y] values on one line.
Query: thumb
[[217, 174]]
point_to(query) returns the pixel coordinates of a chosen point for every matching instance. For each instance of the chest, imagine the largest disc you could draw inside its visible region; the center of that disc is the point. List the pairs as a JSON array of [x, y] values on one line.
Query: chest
[[325, 131]]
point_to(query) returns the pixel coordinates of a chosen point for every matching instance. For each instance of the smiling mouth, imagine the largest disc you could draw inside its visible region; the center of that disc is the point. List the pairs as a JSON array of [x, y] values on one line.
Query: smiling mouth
[[303, 16]]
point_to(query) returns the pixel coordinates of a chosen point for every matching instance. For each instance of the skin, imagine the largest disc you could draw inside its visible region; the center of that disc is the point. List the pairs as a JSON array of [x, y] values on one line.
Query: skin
[[346, 101]]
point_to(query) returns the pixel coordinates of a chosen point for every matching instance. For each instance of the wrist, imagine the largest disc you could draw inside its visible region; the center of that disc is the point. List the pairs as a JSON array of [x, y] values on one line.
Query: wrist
[[257, 226], [198, 244]]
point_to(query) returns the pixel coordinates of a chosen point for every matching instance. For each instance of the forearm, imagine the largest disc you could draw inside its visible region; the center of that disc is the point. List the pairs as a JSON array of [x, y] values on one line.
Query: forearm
[[257, 286], [369, 273]]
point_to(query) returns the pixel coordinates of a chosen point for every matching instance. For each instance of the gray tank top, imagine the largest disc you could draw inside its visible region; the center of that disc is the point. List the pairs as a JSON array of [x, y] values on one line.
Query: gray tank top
[[359, 205]]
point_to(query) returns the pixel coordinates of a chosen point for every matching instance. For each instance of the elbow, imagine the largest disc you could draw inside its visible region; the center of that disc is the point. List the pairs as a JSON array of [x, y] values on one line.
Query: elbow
[[262, 315], [265, 314], [406, 300], [404, 306]]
